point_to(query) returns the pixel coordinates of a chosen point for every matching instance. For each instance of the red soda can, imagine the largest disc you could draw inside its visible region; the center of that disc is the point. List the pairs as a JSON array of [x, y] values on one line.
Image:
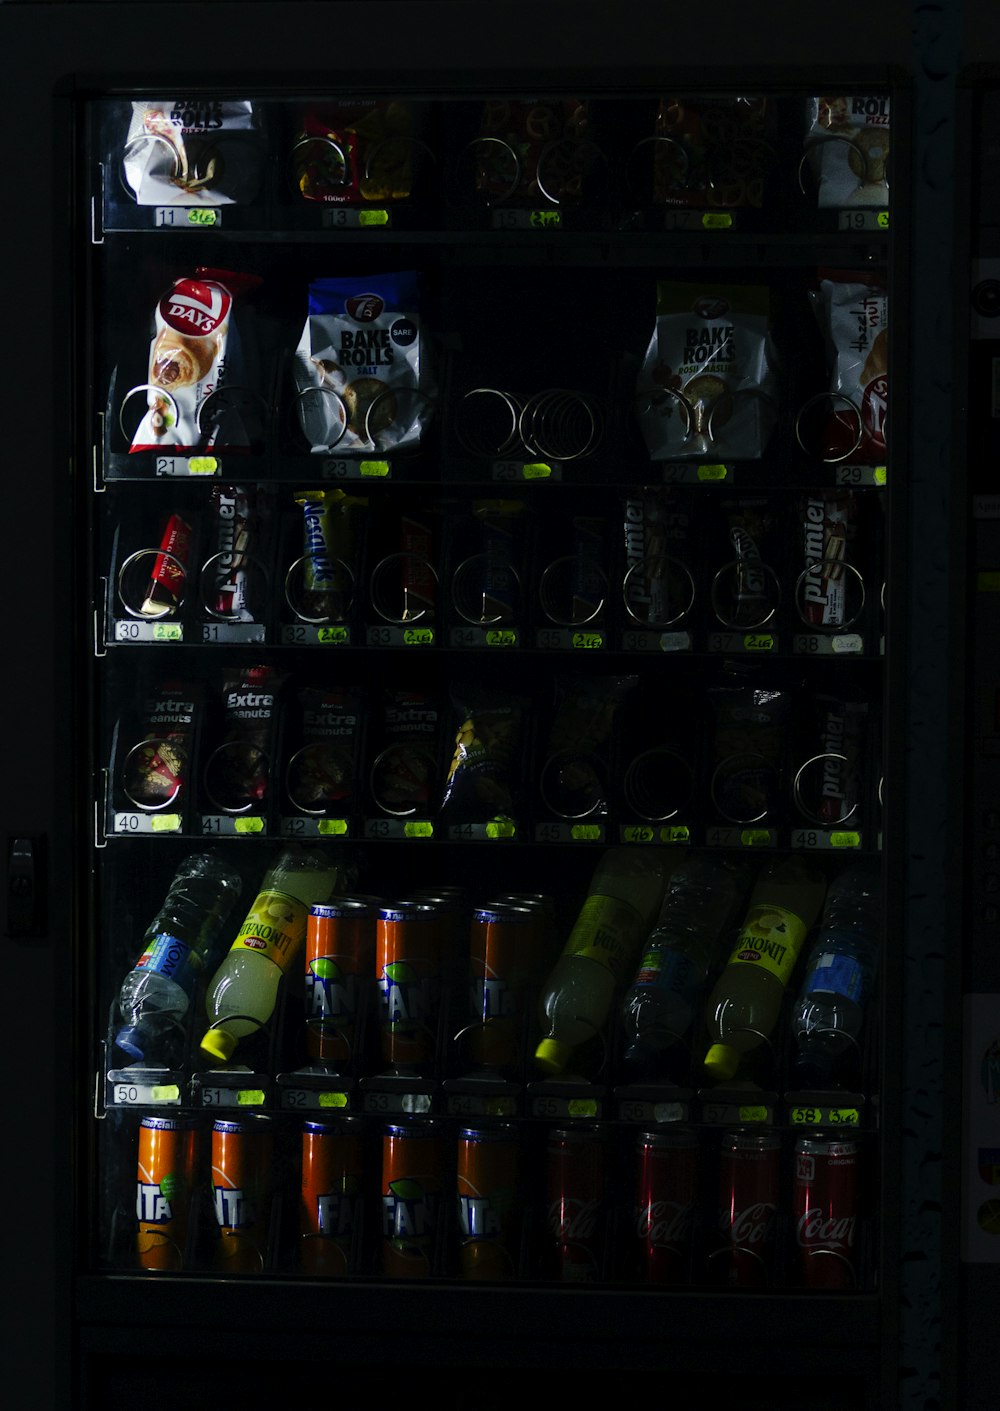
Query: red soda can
[[749, 1185], [408, 969], [825, 1208], [241, 1179], [487, 1205], [412, 1181], [667, 1170], [576, 1185], [168, 1155], [340, 949], [500, 960], [330, 1204]]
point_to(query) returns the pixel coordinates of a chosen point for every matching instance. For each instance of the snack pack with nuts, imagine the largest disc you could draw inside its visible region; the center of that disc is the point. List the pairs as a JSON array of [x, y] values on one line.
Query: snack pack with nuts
[[155, 770], [190, 357], [707, 385], [404, 769], [356, 150], [360, 368], [854, 317], [324, 739], [847, 148], [181, 152], [238, 771]]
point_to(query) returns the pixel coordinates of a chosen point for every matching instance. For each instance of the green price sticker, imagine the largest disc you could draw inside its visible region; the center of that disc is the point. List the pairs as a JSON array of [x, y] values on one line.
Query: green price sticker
[[332, 636], [333, 1099], [501, 637], [166, 823], [844, 1117], [419, 636], [638, 833], [758, 642], [879, 475], [501, 828], [165, 1092], [582, 1107], [883, 220], [374, 470], [585, 833], [717, 220], [679, 833], [588, 640], [168, 632], [423, 829], [545, 220], [536, 470], [755, 838], [203, 215], [753, 1114], [845, 840], [373, 218], [203, 465], [248, 825], [250, 1097], [332, 827], [713, 472]]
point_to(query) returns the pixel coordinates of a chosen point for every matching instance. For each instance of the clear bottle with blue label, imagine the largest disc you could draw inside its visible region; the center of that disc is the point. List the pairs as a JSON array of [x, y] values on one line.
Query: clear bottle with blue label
[[181, 943], [839, 977]]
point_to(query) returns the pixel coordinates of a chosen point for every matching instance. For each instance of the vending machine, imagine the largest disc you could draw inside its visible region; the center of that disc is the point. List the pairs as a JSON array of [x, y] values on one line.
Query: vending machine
[[460, 844]]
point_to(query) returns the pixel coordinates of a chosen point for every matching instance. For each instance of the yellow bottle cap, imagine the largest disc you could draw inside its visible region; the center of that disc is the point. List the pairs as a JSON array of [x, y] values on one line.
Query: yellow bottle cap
[[553, 1056], [219, 1043], [722, 1061]]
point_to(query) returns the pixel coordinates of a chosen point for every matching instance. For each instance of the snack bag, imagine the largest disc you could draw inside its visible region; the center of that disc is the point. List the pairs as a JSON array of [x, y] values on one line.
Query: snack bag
[[181, 152], [534, 151], [573, 781], [321, 771], [714, 150], [238, 772], [482, 783], [356, 150], [155, 770], [189, 356], [707, 384], [360, 370], [847, 147], [854, 317]]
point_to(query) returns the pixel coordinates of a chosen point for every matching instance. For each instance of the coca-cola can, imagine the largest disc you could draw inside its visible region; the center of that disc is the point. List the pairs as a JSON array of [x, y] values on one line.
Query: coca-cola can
[[749, 1191], [825, 1208], [576, 1185], [666, 1196]]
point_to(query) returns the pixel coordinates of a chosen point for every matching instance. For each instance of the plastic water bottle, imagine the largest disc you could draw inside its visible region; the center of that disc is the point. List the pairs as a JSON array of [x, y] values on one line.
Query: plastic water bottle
[[745, 1004], [243, 991], [703, 901], [181, 943], [620, 907], [840, 971]]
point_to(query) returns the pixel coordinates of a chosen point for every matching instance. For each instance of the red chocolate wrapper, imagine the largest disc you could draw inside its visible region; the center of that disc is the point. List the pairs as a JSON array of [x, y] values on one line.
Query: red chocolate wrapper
[[166, 582]]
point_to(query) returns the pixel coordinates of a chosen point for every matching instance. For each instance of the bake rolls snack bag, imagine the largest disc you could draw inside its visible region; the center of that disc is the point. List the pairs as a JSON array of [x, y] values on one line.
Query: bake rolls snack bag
[[853, 314], [360, 368], [189, 356], [847, 147], [707, 384], [192, 152]]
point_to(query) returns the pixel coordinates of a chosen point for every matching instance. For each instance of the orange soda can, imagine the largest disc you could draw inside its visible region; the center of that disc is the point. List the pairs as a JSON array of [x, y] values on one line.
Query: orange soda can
[[412, 1165], [241, 1179], [168, 1154], [330, 1205], [340, 946], [501, 955], [408, 970], [487, 1203]]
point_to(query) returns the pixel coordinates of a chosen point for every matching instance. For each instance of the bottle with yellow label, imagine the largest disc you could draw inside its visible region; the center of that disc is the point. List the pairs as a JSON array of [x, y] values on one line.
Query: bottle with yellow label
[[242, 994], [744, 1006], [622, 903]]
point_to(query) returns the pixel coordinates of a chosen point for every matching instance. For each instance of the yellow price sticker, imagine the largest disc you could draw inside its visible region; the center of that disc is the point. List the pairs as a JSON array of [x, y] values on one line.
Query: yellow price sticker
[[333, 1099], [374, 217], [585, 833], [679, 833], [419, 636], [753, 1114], [248, 825], [332, 827], [758, 642], [541, 220], [582, 1107], [423, 829], [374, 469], [501, 637], [165, 1092], [501, 828], [203, 215], [713, 472], [250, 1097], [845, 840], [588, 641], [638, 833], [168, 632], [536, 470], [844, 1117], [755, 837], [883, 220], [332, 636], [717, 220], [166, 823], [879, 475], [203, 465]]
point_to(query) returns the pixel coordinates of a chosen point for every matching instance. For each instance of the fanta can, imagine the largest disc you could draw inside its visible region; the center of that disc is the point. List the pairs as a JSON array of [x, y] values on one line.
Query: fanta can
[[330, 1206], [168, 1154], [412, 1162], [487, 1202], [241, 1181]]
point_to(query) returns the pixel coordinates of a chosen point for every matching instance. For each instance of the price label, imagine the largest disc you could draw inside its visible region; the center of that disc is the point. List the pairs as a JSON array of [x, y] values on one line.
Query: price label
[[145, 1094], [588, 641], [373, 470], [712, 474], [501, 828], [586, 833], [333, 1100], [527, 220], [755, 838], [759, 642], [232, 1097], [422, 829], [250, 1097], [754, 1114], [147, 823], [333, 636], [501, 637], [863, 220], [165, 823], [222, 825], [717, 220], [351, 218], [185, 218], [418, 637], [248, 825], [675, 833], [879, 475], [338, 468], [128, 631], [845, 840], [332, 827], [825, 1117], [583, 1107]]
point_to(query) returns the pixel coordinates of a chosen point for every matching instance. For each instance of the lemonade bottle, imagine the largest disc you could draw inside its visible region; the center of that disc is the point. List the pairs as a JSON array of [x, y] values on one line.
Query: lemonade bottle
[[242, 993]]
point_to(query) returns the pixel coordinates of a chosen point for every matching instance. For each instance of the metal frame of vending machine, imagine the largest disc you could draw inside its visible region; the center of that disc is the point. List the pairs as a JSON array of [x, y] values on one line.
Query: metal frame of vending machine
[[86, 1332]]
